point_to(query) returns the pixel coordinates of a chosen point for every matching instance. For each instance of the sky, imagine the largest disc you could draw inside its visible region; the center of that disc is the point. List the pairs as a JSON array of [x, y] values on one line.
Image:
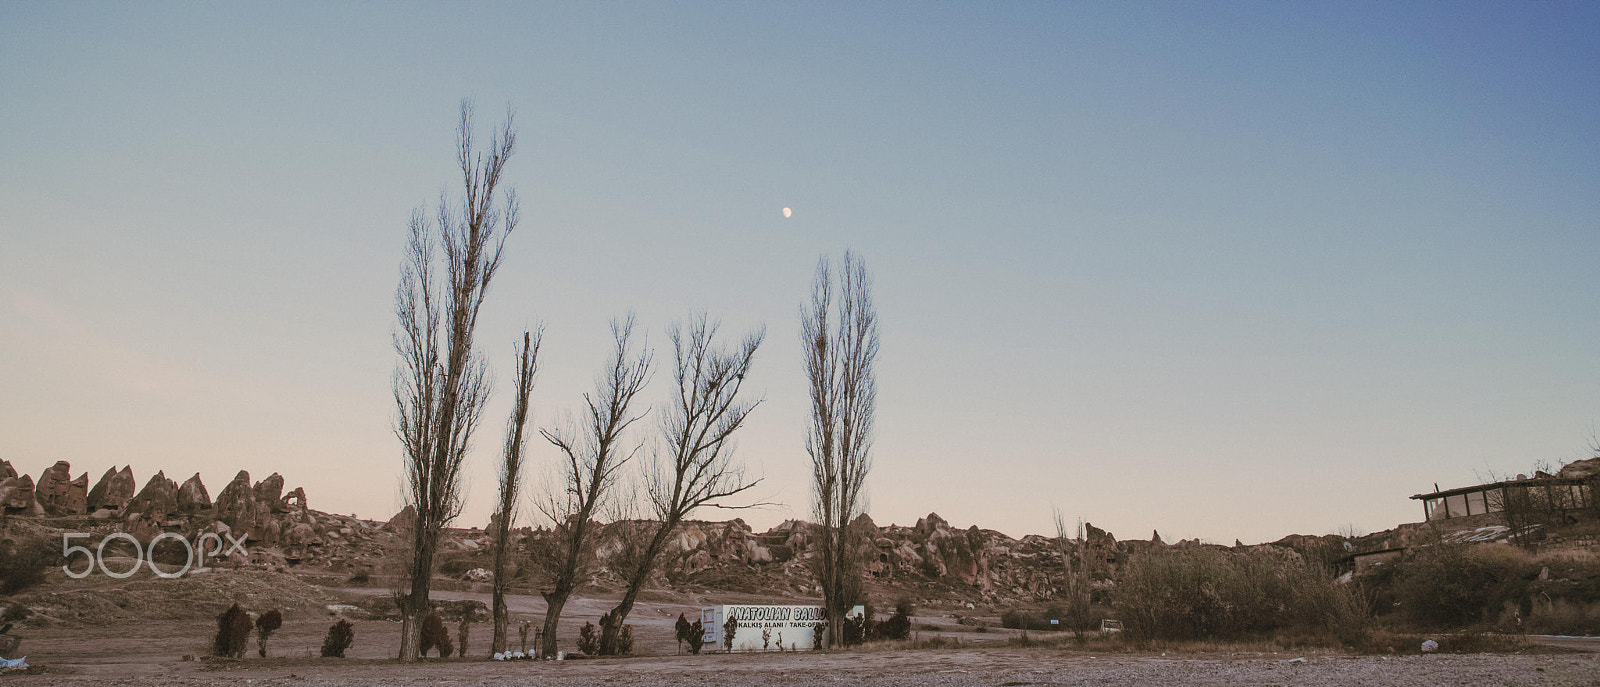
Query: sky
[[1218, 270]]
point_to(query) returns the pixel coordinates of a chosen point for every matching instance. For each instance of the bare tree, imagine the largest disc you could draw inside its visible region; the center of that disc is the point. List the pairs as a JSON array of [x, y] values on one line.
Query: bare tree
[[695, 466], [1075, 592], [593, 452], [511, 478], [440, 384], [841, 348]]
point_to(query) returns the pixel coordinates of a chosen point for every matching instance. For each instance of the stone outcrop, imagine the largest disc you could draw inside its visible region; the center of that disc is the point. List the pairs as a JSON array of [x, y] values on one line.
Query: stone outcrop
[[17, 496], [6, 471], [401, 522], [269, 492], [58, 493], [192, 496], [1580, 469], [261, 510], [158, 498], [114, 490], [295, 500], [236, 504]]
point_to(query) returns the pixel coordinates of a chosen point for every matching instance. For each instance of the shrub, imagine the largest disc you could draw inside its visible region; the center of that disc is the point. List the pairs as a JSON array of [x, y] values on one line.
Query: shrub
[[23, 564], [434, 635], [683, 628], [898, 626], [937, 642], [463, 630], [456, 567], [729, 629], [1564, 617], [1194, 593], [268, 623], [340, 636], [15, 612], [588, 640], [819, 631], [1453, 585], [362, 577], [859, 628], [233, 631], [625, 641], [696, 637], [854, 630], [1018, 619]]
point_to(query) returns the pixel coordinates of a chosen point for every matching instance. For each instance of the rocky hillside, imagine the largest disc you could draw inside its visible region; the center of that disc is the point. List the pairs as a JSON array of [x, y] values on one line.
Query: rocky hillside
[[931, 559]]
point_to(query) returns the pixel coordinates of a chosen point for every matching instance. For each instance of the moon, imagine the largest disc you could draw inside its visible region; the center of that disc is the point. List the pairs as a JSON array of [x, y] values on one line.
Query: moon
[[787, 212]]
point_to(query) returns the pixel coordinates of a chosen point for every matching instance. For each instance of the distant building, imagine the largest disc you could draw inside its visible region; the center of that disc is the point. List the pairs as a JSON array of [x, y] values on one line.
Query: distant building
[[1570, 489]]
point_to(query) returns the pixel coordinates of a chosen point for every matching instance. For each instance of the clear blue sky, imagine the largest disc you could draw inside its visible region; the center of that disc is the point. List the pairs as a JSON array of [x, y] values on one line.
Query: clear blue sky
[[1223, 270]]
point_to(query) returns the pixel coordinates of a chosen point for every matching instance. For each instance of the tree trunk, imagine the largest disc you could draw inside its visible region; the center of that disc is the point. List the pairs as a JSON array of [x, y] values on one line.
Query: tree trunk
[[417, 601], [498, 644], [610, 632], [554, 602]]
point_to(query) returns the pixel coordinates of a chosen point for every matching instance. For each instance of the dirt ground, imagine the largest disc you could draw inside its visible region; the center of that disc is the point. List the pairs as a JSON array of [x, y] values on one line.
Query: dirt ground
[[152, 652]]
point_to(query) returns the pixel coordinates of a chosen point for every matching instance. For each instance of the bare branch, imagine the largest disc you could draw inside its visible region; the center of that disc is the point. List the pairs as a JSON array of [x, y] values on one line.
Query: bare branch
[[594, 449], [840, 340], [441, 384]]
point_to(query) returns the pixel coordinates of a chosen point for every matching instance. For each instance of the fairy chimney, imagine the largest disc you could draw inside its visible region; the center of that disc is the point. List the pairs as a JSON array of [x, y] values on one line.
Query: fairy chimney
[[192, 495], [114, 490]]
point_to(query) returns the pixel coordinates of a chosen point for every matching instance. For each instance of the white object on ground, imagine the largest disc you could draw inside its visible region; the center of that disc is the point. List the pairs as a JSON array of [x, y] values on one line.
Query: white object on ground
[[14, 663], [1430, 646]]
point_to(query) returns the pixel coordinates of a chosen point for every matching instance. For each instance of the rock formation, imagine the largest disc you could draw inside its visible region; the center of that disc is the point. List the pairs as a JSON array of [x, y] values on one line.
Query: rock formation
[[401, 522], [236, 503], [158, 498], [58, 493], [192, 496], [16, 496], [113, 491], [1580, 469]]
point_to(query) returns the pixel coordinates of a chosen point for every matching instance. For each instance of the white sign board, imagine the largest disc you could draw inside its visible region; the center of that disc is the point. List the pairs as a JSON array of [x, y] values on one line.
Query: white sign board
[[795, 625]]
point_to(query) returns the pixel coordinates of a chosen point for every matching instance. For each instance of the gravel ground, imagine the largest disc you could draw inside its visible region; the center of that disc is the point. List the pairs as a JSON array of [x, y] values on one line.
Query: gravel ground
[[151, 653], [980, 666]]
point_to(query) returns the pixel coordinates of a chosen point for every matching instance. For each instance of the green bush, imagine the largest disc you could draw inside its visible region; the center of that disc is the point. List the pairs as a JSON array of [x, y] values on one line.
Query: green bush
[[1193, 593], [340, 636]]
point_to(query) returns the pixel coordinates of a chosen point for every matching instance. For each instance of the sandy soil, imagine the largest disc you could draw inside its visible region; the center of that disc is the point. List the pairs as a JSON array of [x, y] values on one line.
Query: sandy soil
[[152, 653]]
